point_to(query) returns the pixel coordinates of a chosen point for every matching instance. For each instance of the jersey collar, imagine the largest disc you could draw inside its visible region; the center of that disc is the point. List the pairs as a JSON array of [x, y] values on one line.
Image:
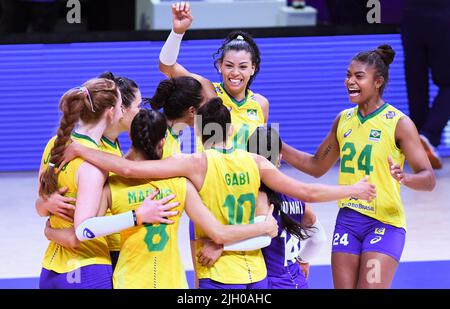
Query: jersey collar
[[238, 103], [85, 137], [372, 114]]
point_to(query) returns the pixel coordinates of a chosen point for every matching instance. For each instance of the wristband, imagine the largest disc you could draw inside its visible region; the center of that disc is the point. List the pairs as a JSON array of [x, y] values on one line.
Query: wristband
[[135, 217]]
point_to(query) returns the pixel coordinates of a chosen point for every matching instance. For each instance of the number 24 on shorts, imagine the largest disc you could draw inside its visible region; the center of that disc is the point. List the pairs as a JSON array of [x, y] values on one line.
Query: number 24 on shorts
[[340, 240]]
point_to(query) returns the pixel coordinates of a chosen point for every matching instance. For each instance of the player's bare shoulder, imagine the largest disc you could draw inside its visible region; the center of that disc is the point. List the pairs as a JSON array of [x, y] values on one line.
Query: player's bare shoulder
[[264, 103]]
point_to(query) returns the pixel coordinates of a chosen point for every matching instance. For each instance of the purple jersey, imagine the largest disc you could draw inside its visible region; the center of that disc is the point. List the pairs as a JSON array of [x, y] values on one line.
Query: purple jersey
[[284, 248]]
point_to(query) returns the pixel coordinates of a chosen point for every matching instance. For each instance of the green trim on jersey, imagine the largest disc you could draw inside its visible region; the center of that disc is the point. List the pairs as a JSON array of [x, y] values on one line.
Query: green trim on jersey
[[223, 150], [85, 137], [238, 103], [109, 142], [173, 133], [373, 114]]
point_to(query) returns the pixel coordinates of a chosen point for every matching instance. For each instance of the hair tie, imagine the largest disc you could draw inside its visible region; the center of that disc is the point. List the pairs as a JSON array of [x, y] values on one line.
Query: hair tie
[[240, 38], [85, 90], [51, 164]]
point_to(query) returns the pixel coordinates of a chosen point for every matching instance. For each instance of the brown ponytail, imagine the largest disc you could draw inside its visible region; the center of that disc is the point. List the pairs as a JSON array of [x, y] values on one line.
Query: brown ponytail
[[88, 104]]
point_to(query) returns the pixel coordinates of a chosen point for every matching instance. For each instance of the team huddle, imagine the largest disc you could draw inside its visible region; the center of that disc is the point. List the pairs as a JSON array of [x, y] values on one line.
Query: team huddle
[[114, 219]]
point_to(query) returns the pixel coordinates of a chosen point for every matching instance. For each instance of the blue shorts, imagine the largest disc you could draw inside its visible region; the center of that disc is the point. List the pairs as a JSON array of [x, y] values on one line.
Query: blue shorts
[[293, 278], [211, 284], [356, 233], [96, 276]]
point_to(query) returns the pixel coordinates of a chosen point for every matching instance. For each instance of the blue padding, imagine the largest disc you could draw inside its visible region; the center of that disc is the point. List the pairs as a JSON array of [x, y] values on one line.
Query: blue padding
[[302, 77]]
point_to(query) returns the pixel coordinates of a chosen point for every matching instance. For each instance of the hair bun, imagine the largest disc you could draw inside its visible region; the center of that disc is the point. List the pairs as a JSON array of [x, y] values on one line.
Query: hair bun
[[163, 92], [386, 53]]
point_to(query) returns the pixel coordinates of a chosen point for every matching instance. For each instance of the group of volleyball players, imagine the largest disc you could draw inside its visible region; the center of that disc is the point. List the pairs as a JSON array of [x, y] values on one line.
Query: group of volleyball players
[[234, 194]]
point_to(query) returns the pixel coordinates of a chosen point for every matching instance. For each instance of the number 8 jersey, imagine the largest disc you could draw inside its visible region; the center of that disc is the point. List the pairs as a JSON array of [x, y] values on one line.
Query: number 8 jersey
[[365, 144], [229, 191], [149, 256]]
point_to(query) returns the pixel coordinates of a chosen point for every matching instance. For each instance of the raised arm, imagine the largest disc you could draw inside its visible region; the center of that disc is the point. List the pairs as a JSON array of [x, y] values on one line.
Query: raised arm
[[310, 193], [318, 164], [168, 65], [407, 140], [219, 233]]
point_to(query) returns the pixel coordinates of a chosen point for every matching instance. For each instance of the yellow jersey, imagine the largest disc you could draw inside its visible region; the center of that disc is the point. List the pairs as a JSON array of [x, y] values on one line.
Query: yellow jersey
[[229, 191], [172, 144], [149, 255], [365, 144], [58, 258], [108, 146], [246, 116]]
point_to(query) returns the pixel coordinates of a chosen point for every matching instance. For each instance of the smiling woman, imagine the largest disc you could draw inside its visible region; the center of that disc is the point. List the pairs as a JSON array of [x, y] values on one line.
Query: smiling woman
[[372, 139], [238, 62]]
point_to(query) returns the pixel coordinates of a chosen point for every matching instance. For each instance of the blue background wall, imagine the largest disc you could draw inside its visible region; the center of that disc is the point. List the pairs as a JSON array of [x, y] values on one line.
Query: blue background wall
[[303, 78]]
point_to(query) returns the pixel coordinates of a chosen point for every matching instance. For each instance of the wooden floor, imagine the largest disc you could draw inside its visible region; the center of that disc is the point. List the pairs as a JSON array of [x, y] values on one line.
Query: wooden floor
[[23, 242]]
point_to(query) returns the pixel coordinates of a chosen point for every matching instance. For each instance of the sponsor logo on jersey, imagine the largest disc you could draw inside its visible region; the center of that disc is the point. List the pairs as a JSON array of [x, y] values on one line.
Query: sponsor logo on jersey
[[380, 231], [252, 114], [347, 133], [357, 205], [375, 135], [375, 240], [88, 233], [390, 115]]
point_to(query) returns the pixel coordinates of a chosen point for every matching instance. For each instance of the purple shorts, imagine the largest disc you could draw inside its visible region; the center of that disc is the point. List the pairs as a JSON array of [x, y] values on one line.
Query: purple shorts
[[211, 284], [96, 276], [293, 278], [356, 233]]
